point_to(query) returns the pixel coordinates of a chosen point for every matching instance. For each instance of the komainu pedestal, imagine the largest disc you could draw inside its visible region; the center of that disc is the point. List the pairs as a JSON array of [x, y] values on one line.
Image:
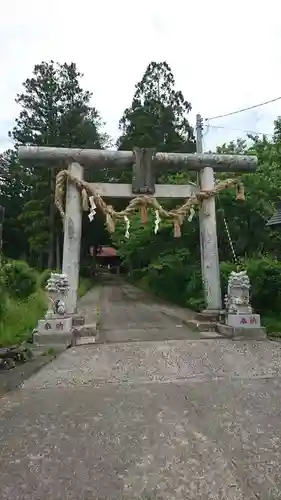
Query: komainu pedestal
[[240, 321], [56, 328]]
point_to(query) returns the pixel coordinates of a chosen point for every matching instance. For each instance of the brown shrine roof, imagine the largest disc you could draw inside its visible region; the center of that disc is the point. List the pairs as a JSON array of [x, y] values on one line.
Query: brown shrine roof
[[104, 251]]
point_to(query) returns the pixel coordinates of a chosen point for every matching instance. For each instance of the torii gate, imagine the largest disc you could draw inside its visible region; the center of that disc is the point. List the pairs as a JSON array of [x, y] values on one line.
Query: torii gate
[[141, 162]]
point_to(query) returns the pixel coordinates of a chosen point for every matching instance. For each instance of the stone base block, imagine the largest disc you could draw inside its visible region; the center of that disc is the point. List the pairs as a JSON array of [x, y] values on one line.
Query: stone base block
[[243, 320], [85, 334], [55, 325], [58, 340], [52, 332], [242, 333]]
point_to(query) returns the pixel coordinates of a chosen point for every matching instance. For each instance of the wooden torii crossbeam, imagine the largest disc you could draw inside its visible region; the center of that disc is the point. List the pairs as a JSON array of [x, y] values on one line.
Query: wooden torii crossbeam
[[143, 163], [102, 157]]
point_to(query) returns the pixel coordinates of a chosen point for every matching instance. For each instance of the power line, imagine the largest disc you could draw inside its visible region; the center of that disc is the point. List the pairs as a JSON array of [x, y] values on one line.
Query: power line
[[237, 130], [244, 109]]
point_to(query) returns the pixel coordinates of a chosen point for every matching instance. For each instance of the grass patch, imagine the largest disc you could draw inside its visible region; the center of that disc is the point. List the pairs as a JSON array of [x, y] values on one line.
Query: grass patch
[[20, 317], [272, 322], [50, 352], [85, 284]]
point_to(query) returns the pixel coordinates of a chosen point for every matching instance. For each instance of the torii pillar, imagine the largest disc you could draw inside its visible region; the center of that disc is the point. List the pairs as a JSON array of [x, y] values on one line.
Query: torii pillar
[[72, 238], [205, 164]]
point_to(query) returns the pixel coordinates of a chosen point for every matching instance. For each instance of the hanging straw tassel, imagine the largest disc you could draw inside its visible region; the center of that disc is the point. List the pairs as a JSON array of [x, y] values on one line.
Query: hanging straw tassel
[[60, 190], [143, 213], [177, 228], [127, 222], [110, 223], [240, 192], [85, 200]]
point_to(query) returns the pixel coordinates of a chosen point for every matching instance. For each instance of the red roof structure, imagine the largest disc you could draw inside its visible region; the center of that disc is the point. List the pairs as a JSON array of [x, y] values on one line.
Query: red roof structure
[[104, 251]]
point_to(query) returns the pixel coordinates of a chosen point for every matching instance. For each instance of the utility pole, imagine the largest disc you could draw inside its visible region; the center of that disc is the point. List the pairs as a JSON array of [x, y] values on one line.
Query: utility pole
[[208, 233], [199, 150], [199, 134]]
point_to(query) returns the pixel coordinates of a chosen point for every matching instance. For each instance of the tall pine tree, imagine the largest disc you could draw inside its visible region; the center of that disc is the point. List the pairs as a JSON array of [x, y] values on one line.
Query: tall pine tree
[[158, 114], [55, 111], [14, 193]]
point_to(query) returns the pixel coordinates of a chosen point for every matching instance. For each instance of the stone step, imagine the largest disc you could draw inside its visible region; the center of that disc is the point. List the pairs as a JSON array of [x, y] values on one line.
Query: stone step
[[78, 320], [84, 340], [258, 333], [85, 330], [210, 334], [207, 317], [202, 326], [85, 334], [146, 334], [53, 339]]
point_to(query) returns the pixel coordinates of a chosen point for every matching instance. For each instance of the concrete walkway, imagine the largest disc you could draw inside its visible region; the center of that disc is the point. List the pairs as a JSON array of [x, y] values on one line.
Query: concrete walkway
[[166, 419], [130, 314]]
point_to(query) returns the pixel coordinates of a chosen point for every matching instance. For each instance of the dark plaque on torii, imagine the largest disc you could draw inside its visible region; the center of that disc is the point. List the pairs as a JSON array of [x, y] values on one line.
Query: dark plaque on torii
[[143, 180]]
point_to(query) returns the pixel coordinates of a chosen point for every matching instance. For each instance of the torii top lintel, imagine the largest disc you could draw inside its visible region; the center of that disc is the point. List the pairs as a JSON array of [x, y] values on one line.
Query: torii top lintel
[[101, 157]]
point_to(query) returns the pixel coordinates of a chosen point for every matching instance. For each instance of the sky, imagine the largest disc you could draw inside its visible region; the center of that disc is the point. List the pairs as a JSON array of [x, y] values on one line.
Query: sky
[[224, 55]]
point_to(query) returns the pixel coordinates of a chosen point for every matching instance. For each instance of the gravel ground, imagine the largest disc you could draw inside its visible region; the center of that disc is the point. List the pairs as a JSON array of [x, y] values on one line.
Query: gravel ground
[[166, 419]]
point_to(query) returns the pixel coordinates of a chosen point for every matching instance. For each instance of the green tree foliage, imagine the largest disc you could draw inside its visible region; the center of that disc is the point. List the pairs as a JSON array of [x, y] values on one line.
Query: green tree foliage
[[55, 111], [247, 220], [166, 265], [19, 279], [171, 268], [158, 115], [265, 277], [15, 191]]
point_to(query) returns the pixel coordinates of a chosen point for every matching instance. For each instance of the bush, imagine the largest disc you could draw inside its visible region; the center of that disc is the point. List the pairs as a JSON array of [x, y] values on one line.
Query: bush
[[265, 278], [44, 276], [19, 280], [3, 299], [167, 276], [174, 278], [85, 284], [86, 267], [21, 317], [225, 269], [194, 290]]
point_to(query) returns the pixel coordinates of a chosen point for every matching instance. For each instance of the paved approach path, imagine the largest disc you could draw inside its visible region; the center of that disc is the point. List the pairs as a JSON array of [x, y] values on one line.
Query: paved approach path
[[127, 313], [174, 419]]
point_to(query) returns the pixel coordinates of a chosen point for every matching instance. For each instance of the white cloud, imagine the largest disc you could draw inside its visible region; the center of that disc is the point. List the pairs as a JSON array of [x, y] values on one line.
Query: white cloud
[[224, 55]]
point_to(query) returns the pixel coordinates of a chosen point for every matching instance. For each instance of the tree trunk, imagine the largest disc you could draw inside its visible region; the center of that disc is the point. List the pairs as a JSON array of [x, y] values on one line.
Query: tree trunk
[[40, 261], [52, 240], [58, 255]]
